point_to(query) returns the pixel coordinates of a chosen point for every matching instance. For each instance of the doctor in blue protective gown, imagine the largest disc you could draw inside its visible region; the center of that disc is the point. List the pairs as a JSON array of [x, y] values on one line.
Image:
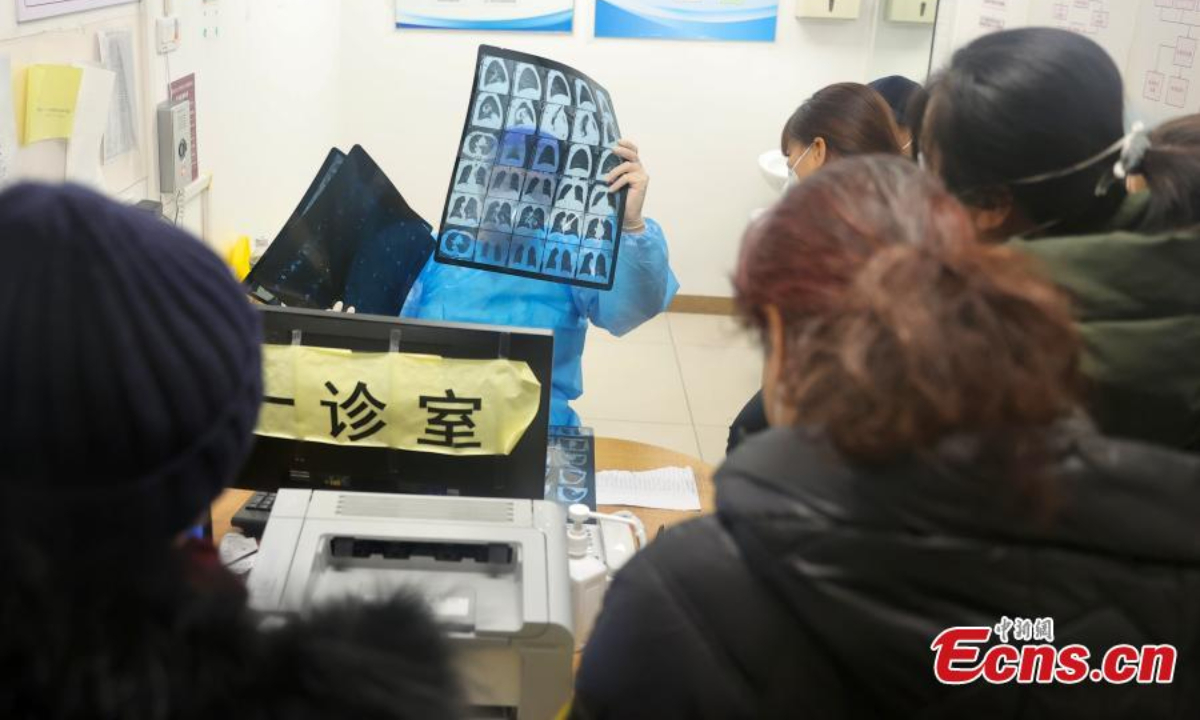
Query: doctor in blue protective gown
[[644, 286]]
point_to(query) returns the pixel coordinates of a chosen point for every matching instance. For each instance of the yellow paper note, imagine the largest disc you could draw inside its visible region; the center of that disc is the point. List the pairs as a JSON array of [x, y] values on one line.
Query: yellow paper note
[[277, 417], [462, 407], [343, 397], [51, 94], [420, 403]]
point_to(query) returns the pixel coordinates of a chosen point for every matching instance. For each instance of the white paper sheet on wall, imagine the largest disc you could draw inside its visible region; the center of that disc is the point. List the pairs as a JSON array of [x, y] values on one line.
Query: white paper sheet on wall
[[1111, 23], [91, 120], [8, 123], [976, 18], [116, 55]]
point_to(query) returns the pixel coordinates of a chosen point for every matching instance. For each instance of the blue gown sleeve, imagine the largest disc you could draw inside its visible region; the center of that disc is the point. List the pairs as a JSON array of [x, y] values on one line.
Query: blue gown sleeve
[[644, 286]]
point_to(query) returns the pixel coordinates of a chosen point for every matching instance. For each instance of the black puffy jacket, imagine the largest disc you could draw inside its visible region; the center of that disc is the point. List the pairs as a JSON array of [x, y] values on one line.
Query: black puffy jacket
[[817, 588], [157, 634]]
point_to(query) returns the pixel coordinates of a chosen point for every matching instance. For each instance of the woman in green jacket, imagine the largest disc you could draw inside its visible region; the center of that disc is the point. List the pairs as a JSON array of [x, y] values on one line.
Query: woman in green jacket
[[1027, 127]]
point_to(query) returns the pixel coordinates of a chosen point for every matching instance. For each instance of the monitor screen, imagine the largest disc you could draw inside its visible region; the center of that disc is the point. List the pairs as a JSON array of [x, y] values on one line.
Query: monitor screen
[[278, 463]]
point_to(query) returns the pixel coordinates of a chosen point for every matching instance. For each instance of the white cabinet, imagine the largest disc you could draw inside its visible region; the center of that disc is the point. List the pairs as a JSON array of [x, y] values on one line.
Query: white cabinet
[[829, 9], [912, 11]]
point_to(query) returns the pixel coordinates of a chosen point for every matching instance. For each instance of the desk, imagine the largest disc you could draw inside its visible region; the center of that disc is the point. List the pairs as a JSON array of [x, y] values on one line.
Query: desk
[[610, 455]]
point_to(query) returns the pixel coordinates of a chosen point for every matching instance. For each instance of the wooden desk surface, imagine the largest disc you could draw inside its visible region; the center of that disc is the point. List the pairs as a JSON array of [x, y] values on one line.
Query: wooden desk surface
[[610, 455]]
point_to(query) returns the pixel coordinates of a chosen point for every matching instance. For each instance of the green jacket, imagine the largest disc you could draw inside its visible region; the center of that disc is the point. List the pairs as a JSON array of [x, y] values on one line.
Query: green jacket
[[1138, 303]]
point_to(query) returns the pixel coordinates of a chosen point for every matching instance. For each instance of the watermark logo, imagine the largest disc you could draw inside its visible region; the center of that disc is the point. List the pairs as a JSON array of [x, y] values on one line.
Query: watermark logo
[[1022, 651]]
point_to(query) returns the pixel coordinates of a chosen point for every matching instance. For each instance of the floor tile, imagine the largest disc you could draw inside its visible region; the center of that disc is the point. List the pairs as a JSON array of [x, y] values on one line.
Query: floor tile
[[636, 382], [712, 439], [653, 332], [719, 381]]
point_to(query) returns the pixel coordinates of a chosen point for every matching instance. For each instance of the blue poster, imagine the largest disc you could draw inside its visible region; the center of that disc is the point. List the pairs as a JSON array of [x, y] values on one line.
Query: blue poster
[[550, 16], [749, 20]]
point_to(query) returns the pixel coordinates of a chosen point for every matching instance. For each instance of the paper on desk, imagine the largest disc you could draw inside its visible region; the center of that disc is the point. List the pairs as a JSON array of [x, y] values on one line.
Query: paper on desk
[[51, 94], [669, 488], [91, 120], [116, 55], [8, 122]]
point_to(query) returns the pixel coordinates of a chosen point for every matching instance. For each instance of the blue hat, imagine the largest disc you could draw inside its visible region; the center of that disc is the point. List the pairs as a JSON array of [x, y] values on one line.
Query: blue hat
[[129, 367]]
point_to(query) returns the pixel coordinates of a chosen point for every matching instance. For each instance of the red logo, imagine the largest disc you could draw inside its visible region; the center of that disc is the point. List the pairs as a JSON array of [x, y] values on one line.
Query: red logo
[[965, 655]]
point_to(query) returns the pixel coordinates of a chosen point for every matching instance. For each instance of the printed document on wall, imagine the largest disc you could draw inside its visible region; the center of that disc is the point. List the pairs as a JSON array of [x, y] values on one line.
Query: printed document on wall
[[8, 122], [37, 9], [748, 20], [91, 119], [976, 18], [548, 16], [1163, 76], [1111, 23], [50, 97], [116, 55]]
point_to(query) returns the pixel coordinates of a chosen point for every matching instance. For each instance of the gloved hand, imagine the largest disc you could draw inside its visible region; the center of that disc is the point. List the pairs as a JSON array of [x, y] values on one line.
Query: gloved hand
[[631, 174]]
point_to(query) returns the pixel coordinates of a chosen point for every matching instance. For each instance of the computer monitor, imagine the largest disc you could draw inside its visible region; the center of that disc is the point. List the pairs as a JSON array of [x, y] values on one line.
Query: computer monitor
[[277, 463]]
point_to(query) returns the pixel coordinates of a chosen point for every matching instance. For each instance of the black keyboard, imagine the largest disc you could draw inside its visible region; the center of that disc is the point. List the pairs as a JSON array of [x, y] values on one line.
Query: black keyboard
[[252, 518]]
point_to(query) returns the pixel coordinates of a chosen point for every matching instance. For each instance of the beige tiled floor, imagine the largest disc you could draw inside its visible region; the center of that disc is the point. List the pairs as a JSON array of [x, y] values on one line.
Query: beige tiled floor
[[675, 382]]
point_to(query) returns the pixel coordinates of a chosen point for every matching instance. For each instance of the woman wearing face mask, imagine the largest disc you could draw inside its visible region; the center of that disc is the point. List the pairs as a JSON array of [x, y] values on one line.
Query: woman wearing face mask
[[1027, 127], [840, 121], [919, 475]]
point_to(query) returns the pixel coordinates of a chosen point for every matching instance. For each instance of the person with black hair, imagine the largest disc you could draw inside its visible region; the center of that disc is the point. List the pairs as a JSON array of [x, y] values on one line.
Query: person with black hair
[[901, 94], [1027, 127], [1171, 165], [838, 121], [132, 381]]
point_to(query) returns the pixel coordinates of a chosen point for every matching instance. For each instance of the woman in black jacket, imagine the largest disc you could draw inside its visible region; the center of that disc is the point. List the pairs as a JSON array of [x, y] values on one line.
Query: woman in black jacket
[[924, 472]]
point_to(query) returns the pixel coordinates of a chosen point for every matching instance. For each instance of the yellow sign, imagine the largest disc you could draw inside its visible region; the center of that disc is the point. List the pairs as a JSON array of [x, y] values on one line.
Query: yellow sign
[[422, 403], [51, 94]]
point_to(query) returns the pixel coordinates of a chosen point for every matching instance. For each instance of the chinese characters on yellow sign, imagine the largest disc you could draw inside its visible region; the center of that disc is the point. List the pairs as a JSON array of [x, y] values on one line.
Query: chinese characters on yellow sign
[[409, 402]]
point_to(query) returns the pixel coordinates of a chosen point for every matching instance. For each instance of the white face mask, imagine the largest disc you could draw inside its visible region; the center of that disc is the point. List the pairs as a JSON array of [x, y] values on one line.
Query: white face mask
[[793, 178]]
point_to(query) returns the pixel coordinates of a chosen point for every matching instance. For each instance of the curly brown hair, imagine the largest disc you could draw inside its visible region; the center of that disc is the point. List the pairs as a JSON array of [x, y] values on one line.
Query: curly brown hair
[[901, 329]]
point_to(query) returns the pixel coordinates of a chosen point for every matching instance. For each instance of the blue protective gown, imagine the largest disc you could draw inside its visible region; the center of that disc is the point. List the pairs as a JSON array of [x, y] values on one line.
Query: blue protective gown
[[644, 287]]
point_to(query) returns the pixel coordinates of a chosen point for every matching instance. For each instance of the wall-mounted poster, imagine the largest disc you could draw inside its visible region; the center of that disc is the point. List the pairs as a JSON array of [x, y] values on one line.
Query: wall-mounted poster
[[550, 16], [529, 194], [38, 9], [749, 20]]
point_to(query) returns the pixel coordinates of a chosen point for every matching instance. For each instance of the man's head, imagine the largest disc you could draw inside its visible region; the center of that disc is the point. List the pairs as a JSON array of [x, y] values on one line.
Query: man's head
[[129, 368]]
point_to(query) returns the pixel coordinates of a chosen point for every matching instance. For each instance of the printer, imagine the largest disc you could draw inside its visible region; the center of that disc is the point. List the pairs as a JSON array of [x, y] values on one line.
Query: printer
[[494, 572], [472, 535]]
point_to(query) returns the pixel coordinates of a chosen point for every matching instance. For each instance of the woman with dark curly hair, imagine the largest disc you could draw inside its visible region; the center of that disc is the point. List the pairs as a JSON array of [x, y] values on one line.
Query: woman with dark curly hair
[[926, 470]]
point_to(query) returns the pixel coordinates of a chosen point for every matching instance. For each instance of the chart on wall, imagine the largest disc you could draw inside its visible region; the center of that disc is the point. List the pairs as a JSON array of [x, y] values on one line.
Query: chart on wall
[[38, 9], [550, 16], [528, 195], [976, 18], [1162, 78], [1111, 23], [748, 20]]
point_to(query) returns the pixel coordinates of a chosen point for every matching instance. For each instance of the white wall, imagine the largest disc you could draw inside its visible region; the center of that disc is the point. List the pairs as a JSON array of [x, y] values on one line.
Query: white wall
[[702, 112], [267, 88], [282, 81], [71, 39]]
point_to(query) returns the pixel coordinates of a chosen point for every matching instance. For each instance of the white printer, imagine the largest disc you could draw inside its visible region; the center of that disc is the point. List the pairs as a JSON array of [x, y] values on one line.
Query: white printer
[[494, 571]]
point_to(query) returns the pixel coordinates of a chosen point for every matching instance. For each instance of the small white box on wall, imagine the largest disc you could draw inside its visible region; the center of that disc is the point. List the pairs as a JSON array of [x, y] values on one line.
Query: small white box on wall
[[829, 9], [912, 11]]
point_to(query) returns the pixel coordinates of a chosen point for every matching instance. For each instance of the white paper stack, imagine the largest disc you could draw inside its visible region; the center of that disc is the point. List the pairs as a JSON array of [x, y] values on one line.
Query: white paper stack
[[664, 489]]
